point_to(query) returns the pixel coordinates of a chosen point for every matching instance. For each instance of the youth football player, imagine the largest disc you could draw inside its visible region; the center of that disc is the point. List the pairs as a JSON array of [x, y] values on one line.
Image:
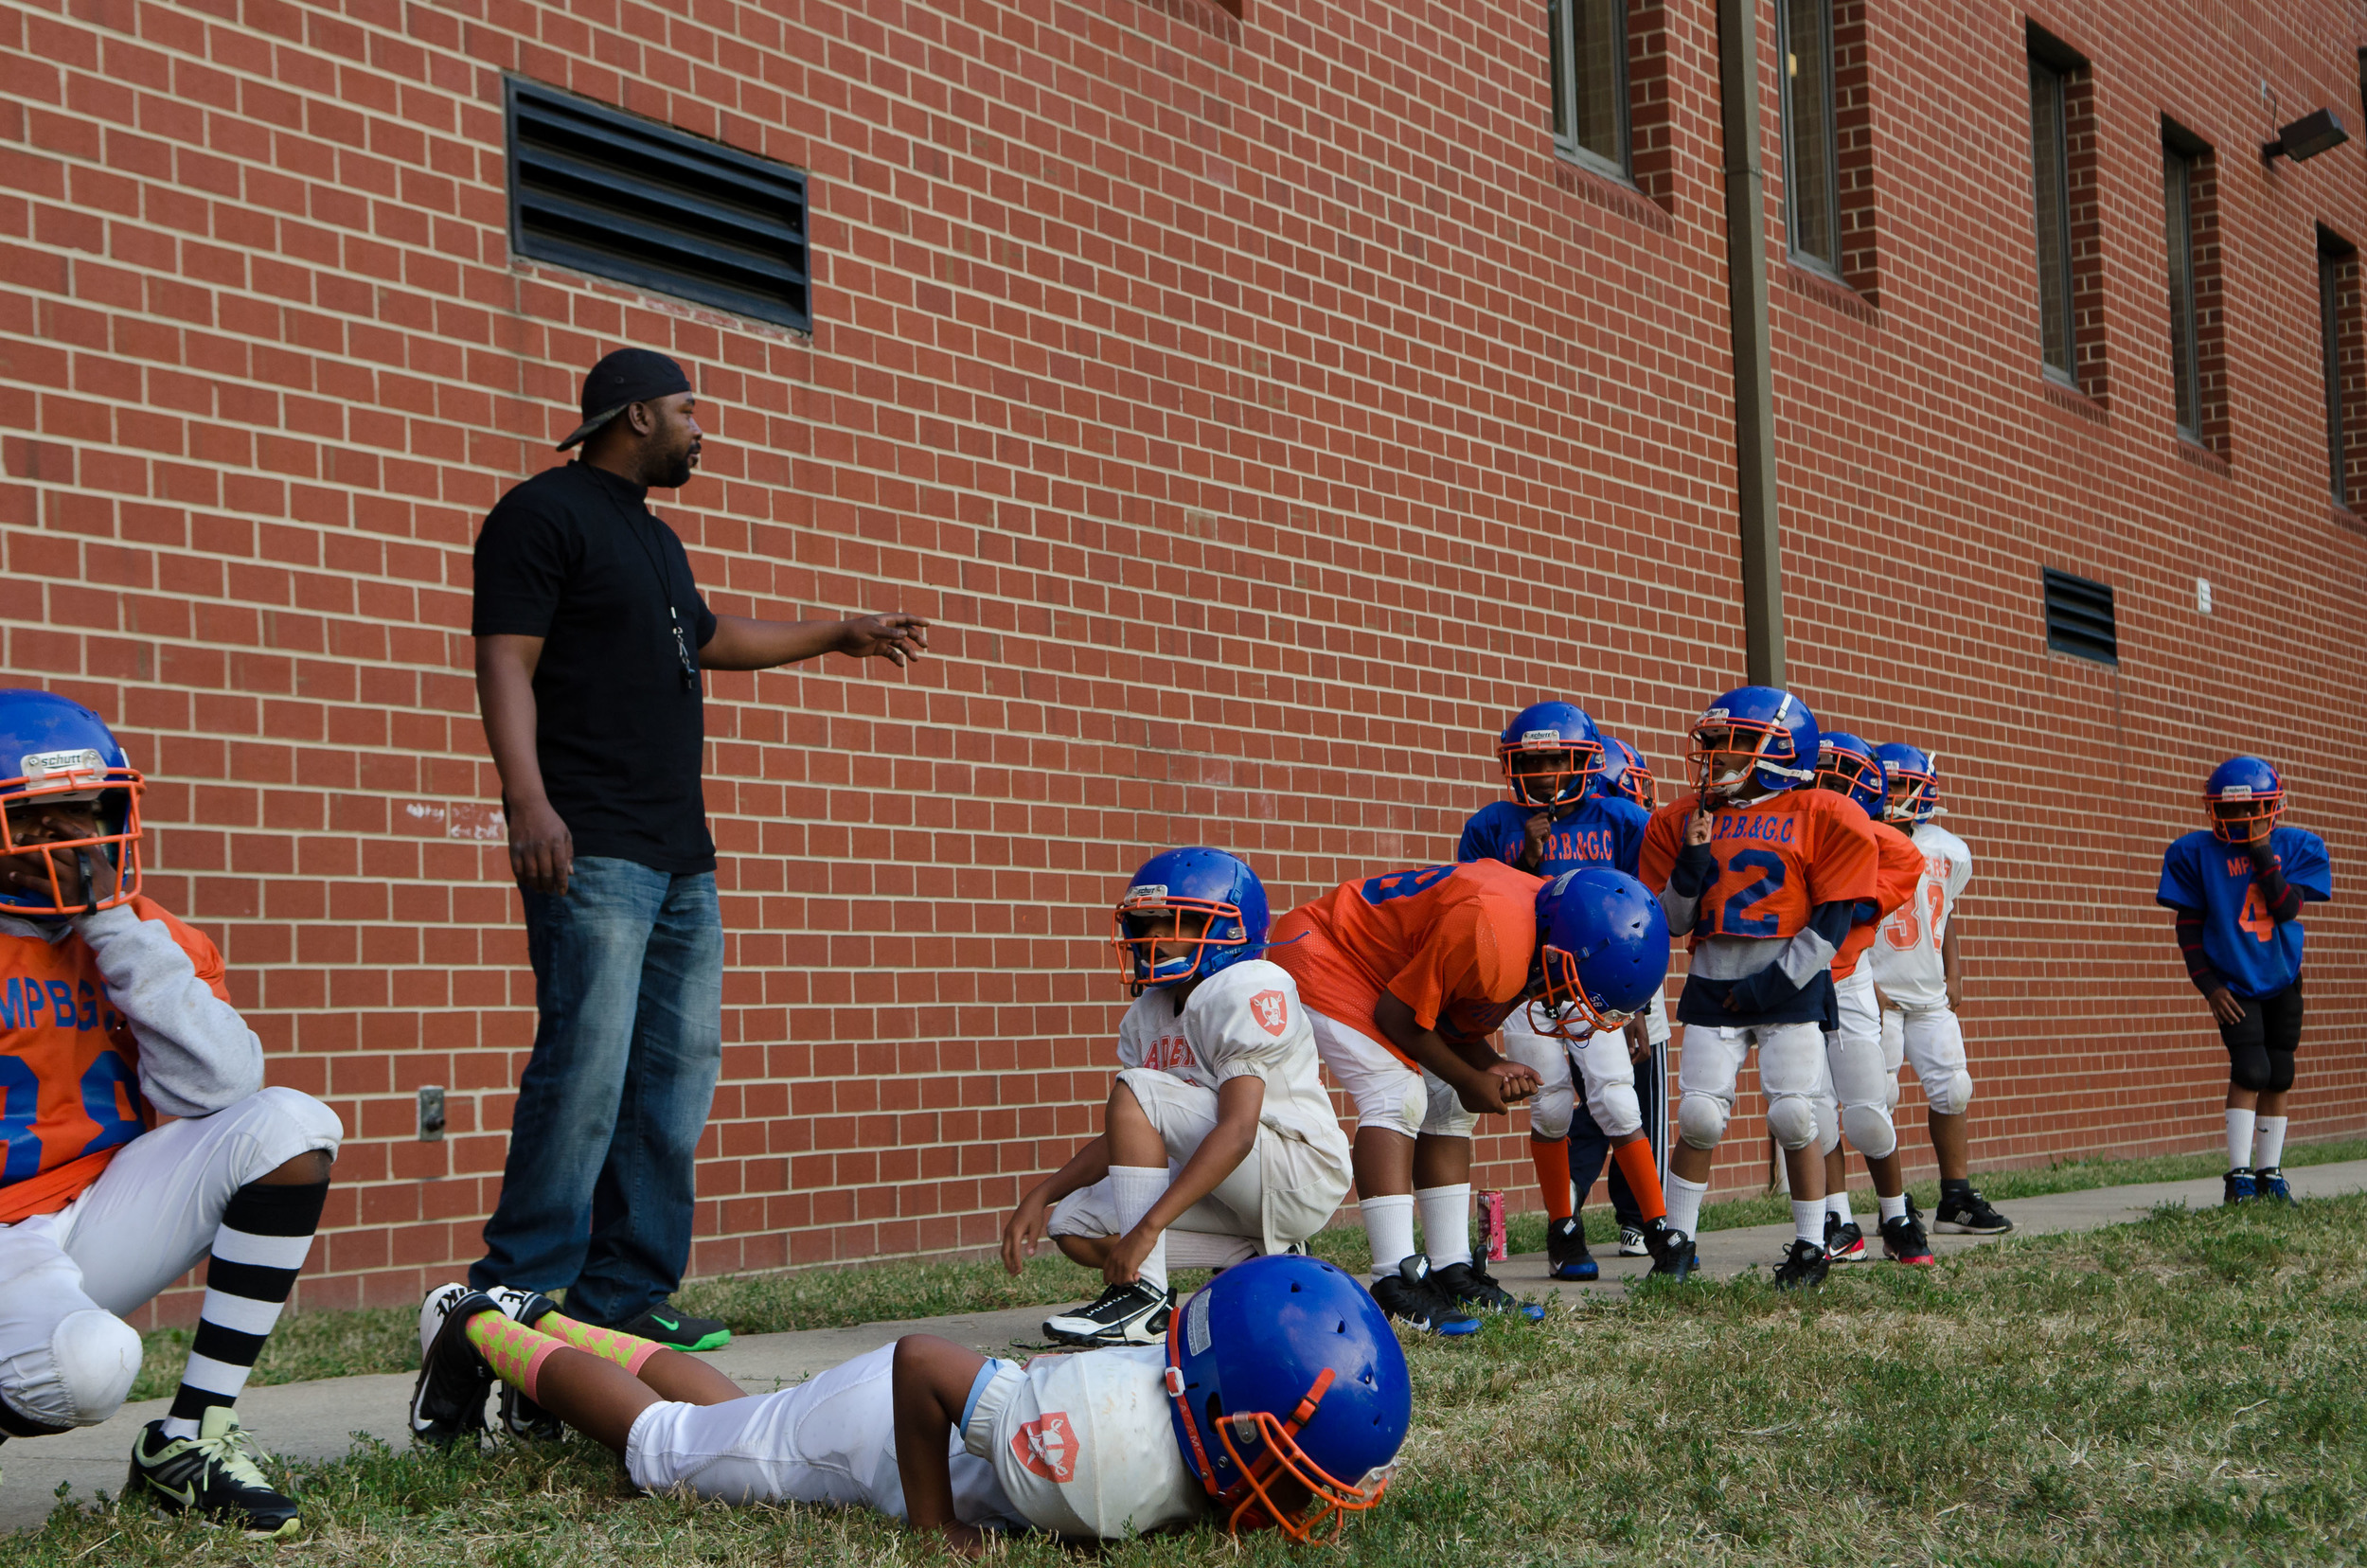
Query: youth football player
[[2237, 888], [1278, 1400], [137, 1134], [1766, 874], [1919, 972], [1218, 1132]]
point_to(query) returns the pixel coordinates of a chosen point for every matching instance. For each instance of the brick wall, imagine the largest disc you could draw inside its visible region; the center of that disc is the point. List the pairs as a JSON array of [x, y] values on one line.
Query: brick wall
[[1262, 411]]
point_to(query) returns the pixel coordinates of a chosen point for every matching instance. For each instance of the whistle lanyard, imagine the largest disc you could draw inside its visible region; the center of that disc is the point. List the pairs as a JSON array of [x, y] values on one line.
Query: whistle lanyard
[[683, 655]]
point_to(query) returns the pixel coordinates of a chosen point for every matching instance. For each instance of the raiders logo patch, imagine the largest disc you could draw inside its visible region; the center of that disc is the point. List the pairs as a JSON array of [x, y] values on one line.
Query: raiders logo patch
[[1273, 1012], [1047, 1447]]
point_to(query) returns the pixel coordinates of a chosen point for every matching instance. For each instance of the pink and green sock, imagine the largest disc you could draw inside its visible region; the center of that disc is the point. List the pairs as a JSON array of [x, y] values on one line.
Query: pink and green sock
[[515, 1352], [627, 1350]]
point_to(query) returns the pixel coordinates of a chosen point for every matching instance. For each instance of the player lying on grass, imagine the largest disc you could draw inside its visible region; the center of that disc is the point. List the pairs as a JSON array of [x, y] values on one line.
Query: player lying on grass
[[135, 1133], [1278, 1399], [1859, 1087], [1219, 1143], [1766, 874], [2237, 890], [1562, 817]]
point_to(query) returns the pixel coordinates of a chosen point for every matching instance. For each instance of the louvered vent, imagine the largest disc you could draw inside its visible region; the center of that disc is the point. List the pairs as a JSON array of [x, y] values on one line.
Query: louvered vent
[[607, 192], [2079, 618]]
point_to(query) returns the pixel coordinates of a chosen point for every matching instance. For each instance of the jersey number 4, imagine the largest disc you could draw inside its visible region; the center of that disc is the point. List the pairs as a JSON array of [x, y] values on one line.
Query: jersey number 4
[[2257, 918], [1735, 918]]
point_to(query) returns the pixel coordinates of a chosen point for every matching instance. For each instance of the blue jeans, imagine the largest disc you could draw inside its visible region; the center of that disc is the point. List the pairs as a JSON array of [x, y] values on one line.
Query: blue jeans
[[597, 1191]]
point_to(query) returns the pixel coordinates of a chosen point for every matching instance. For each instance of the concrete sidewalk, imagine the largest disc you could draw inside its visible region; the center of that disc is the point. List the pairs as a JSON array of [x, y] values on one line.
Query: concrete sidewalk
[[319, 1420]]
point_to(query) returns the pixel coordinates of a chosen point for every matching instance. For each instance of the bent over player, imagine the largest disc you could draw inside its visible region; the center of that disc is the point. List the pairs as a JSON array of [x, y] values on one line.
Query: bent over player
[[2237, 890], [137, 1133], [1278, 1399], [1767, 875], [1217, 1083]]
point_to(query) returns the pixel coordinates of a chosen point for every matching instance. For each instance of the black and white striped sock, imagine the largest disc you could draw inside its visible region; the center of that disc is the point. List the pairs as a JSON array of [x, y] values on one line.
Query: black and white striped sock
[[266, 1232]]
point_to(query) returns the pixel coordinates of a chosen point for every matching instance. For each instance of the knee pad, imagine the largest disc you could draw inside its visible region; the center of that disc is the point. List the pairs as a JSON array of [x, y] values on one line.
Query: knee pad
[[1828, 1126], [1550, 1111], [1616, 1110], [96, 1355], [1791, 1120], [2248, 1068], [2280, 1072], [1871, 1131], [1700, 1119], [1950, 1094]]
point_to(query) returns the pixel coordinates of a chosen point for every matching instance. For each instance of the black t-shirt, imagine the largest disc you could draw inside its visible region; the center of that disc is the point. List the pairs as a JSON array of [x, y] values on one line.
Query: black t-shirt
[[574, 557]]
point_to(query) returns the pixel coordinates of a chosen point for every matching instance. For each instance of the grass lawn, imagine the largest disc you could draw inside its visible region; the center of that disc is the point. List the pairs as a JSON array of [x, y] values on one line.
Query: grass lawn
[[2186, 1389], [329, 1345]]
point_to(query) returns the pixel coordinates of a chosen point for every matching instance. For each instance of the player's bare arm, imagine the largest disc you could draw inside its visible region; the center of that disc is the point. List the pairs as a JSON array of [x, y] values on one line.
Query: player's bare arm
[[1482, 1081], [542, 852], [1952, 965], [1240, 1100], [741, 643], [931, 1380], [1024, 1231]]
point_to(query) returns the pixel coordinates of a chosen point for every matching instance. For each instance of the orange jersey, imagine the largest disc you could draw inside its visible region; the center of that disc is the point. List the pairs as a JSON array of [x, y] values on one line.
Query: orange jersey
[[1778, 858], [1895, 880], [1455, 943], [69, 1067]]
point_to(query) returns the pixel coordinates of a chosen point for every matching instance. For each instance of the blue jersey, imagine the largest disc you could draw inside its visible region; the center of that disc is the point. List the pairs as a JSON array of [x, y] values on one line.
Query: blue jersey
[[1603, 831], [2252, 952]]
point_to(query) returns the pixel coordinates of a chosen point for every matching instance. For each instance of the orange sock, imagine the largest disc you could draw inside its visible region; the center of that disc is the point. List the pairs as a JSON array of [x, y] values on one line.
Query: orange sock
[[515, 1352], [1643, 1173], [627, 1350], [1552, 1177]]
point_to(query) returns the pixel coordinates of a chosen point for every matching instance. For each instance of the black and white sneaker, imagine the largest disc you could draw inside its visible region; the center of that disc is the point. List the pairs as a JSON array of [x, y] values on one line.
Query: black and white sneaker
[[1566, 1256], [1413, 1297], [1968, 1213], [1903, 1241], [1674, 1255], [212, 1475], [516, 1416], [1804, 1263], [1132, 1313], [2269, 1183], [1631, 1242], [2240, 1188], [1843, 1243], [447, 1402], [1470, 1286]]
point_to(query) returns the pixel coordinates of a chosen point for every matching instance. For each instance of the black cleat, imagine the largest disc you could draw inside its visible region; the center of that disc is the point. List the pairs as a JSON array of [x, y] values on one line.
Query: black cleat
[[1471, 1286], [447, 1402], [1413, 1297], [1566, 1256], [1132, 1313], [1804, 1264], [1843, 1243], [1903, 1241], [1674, 1255], [212, 1476], [2270, 1182], [2241, 1188], [1968, 1213]]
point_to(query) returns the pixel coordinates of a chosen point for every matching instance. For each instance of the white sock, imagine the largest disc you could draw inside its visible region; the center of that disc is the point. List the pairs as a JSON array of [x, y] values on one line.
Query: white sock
[[2239, 1124], [1837, 1205], [1807, 1219], [1893, 1208], [1389, 1225], [1132, 1192], [1446, 1223], [2268, 1142], [1684, 1202]]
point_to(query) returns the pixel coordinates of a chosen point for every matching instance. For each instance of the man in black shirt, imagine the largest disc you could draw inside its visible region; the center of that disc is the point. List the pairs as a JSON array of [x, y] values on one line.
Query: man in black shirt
[[590, 638]]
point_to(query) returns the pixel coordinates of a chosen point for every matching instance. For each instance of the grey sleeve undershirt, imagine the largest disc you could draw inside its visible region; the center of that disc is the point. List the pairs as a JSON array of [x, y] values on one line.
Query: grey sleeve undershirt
[[197, 1055]]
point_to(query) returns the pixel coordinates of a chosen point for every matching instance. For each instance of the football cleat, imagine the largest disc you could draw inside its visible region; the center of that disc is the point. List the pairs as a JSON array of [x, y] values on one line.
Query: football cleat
[[2271, 1185], [1135, 1312], [447, 1402], [1566, 1256], [1675, 1257], [1472, 1285], [2241, 1188], [1903, 1240], [1411, 1297], [1631, 1242], [1843, 1243], [1804, 1263], [1968, 1213], [212, 1476]]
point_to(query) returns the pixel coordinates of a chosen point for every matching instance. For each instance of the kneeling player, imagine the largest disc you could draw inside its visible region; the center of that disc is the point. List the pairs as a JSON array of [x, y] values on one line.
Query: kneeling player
[[1218, 1132], [2237, 890], [1767, 875], [138, 1136], [1278, 1399]]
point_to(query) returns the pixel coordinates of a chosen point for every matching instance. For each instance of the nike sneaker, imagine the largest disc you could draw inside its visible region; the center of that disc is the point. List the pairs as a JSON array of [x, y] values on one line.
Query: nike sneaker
[[1566, 1256], [1804, 1263], [1411, 1296], [447, 1402], [676, 1330], [1135, 1312], [1631, 1242], [212, 1476], [1843, 1243]]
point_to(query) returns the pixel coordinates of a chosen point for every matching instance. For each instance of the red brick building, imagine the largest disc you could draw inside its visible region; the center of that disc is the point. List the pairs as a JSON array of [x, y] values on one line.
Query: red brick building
[[1263, 409]]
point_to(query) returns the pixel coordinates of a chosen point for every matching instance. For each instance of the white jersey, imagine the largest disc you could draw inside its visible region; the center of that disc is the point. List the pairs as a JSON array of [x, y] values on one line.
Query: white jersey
[[1243, 1019], [1084, 1445], [1906, 955]]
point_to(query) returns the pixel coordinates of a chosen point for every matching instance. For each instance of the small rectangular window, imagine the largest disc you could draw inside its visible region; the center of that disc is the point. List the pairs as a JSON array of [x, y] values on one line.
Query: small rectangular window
[[1811, 155], [2080, 618], [2335, 258], [2051, 193], [612, 194], [2178, 188], [1587, 40]]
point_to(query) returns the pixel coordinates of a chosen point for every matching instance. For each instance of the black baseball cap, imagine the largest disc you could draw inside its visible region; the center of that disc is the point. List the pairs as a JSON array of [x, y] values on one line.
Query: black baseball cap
[[620, 380]]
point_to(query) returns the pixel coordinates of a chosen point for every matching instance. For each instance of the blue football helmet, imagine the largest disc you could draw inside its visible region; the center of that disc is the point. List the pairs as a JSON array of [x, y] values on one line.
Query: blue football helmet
[[2245, 798], [1626, 773], [1848, 765], [1288, 1394], [1158, 911], [56, 754], [1752, 733], [1912, 780], [1548, 752], [1603, 948]]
